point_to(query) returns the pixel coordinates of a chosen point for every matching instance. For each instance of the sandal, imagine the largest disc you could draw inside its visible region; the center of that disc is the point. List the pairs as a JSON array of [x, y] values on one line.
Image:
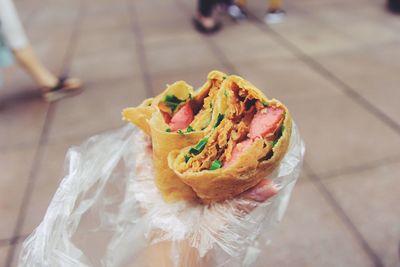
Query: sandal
[[65, 87], [206, 30]]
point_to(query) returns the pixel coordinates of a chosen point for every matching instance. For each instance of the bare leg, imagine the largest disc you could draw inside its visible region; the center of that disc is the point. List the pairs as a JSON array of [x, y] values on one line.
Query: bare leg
[[31, 64], [39, 73]]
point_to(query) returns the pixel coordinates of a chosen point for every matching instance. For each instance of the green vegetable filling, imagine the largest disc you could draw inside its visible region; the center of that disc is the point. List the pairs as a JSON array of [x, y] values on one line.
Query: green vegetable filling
[[274, 142], [180, 132], [168, 130], [187, 157], [172, 102], [189, 129], [282, 128], [199, 147], [216, 164], [265, 104], [219, 119]]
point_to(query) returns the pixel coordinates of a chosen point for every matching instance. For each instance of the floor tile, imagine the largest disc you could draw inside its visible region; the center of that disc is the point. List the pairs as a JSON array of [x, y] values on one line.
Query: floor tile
[[104, 7], [314, 38], [102, 42], [370, 198], [61, 14], [14, 79], [15, 169], [284, 78], [353, 24], [164, 30], [110, 20], [97, 108], [3, 254], [166, 11], [373, 73], [22, 116], [110, 66], [178, 55], [17, 250], [340, 134], [246, 42], [26, 10], [52, 53], [47, 180], [303, 178], [311, 234]]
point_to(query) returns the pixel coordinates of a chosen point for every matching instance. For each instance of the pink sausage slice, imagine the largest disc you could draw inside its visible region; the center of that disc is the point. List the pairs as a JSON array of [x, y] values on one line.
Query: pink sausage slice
[[166, 116], [237, 151], [265, 122], [182, 118]]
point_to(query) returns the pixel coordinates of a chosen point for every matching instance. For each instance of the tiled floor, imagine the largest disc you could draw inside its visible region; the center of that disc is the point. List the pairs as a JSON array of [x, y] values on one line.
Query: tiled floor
[[335, 63]]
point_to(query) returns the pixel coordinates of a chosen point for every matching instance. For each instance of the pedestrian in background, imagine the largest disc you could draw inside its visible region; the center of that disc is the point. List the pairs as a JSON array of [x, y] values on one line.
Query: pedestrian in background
[[12, 35], [204, 20], [273, 14]]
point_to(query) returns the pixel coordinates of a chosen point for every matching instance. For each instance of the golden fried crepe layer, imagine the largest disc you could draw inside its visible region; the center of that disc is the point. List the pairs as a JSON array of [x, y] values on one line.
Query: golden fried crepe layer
[[246, 144], [140, 115], [164, 117]]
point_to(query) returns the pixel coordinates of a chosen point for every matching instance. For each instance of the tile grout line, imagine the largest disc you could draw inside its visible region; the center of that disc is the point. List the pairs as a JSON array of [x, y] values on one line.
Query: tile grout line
[[343, 215], [140, 49], [28, 192], [12, 240], [75, 35], [321, 70], [362, 167], [38, 157]]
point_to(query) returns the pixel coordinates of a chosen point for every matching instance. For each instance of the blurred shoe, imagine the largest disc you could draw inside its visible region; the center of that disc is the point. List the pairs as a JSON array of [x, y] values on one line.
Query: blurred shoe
[[65, 87], [394, 6], [206, 29], [274, 16], [236, 12]]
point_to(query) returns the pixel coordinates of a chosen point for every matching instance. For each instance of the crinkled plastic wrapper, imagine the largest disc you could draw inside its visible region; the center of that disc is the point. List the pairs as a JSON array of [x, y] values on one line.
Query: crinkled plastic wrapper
[[108, 212]]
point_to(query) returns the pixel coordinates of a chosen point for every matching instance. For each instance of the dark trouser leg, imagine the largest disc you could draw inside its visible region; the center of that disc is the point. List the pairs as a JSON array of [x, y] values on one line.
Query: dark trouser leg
[[205, 7]]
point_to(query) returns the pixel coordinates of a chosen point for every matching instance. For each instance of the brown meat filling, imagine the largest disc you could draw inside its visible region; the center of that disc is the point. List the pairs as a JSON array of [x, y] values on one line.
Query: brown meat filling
[[232, 130], [204, 103]]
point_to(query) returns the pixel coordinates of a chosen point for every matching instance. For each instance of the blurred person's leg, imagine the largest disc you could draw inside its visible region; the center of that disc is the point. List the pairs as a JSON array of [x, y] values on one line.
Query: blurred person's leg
[[14, 34], [27, 59], [204, 21], [275, 12]]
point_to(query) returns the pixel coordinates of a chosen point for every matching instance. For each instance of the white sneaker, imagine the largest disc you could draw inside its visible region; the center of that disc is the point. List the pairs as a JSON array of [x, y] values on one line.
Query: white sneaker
[[274, 16], [236, 12]]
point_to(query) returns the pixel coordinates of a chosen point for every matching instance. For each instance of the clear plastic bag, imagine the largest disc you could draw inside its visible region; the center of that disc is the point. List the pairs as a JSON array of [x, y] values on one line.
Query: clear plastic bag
[[108, 212]]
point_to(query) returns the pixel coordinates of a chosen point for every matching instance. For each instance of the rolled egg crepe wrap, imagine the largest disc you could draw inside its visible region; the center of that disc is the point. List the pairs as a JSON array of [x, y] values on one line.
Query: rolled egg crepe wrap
[[181, 117], [250, 137]]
